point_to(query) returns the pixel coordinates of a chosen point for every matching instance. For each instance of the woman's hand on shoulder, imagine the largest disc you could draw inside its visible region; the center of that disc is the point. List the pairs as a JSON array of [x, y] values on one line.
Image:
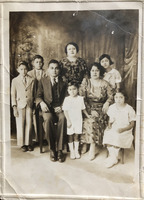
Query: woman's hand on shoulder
[[105, 107]]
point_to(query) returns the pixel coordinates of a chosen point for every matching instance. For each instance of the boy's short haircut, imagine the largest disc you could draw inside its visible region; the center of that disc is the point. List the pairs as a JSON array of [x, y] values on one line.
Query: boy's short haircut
[[38, 57], [23, 63], [73, 83], [55, 62]]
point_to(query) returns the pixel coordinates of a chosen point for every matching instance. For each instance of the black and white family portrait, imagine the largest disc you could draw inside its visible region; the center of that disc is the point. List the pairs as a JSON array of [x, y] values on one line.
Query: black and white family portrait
[[72, 113]]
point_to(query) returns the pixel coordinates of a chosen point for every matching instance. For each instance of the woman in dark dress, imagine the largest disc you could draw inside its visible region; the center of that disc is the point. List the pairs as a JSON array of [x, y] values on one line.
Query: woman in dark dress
[[73, 67]]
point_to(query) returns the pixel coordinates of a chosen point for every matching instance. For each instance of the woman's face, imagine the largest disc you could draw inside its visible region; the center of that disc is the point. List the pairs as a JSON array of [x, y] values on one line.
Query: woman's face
[[95, 72], [105, 62], [71, 50]]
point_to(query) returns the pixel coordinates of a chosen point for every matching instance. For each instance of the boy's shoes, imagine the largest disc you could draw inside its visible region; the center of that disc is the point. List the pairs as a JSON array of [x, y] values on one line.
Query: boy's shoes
[[60, 156], [24, 148], [53, 156], [30, 148]]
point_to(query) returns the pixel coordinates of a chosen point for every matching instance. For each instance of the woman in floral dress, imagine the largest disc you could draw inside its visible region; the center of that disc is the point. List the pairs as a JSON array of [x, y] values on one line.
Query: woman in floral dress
[[73, 67], [98, 96]]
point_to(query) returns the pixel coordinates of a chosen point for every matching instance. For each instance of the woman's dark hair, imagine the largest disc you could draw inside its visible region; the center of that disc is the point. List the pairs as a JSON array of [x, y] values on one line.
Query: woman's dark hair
[[74, 44], [123, 92], [38, 57], [100, 68], [23, 63], [106, 56], [73, 83]]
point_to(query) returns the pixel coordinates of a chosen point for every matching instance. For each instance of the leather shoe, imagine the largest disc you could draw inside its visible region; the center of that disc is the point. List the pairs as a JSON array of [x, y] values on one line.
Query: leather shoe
[[60, 156], [24, 148], [45, 142], [53, 156], [30, 148]]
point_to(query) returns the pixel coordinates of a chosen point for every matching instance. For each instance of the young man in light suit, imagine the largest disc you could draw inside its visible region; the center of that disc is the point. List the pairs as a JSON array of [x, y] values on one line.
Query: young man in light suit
[[22, 96], [50, 96]]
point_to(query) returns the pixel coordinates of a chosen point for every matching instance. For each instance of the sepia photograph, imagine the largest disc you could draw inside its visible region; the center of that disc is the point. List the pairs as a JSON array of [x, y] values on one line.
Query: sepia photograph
[[72, 100]]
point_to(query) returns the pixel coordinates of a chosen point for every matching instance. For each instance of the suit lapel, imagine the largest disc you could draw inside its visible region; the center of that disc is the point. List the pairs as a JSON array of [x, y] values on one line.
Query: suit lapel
[[29, 81], [60, 86], [34, 73], [20, 81], [48, 85]]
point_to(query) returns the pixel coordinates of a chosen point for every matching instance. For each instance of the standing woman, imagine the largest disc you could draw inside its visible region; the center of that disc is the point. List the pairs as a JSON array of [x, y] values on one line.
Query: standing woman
[[98, 96], [73, 67]]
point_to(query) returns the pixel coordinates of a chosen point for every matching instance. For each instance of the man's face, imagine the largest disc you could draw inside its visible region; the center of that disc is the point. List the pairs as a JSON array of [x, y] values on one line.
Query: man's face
[[53, 70]]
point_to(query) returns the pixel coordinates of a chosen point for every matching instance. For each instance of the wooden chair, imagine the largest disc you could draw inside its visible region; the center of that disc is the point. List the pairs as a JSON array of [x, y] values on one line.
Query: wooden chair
[[122, 149]]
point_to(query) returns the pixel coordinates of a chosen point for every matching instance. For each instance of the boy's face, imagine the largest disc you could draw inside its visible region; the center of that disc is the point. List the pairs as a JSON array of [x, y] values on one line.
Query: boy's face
[[37, 63], [72, 91], [53, 69], [105, 62], [119, 98], [22, 70]]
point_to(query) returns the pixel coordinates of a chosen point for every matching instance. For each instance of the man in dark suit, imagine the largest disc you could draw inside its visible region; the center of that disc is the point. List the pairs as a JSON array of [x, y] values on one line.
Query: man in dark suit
[[50, 96]]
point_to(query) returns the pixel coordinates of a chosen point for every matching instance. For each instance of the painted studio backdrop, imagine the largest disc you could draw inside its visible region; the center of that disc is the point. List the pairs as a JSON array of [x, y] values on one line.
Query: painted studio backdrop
[[114, 32]]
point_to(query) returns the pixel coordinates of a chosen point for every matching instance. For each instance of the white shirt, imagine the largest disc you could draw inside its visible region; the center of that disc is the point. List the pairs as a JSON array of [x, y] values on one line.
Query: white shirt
[[54, 79]]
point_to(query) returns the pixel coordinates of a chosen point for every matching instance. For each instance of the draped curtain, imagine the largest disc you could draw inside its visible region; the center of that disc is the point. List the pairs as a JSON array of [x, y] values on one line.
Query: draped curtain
[[48, 33], [131, 67]]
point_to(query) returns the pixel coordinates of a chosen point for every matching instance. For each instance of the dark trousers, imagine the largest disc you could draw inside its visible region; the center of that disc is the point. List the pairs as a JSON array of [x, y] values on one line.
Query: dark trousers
[[55, 137]]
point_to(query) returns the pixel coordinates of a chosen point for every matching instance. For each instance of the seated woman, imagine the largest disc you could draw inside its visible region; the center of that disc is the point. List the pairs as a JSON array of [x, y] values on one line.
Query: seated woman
[[119, 131], [98, 96], [73, 67]]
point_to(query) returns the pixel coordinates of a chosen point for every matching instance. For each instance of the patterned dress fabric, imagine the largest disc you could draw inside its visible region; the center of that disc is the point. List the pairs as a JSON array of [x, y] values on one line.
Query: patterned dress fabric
[[73, 70], [95, 97]]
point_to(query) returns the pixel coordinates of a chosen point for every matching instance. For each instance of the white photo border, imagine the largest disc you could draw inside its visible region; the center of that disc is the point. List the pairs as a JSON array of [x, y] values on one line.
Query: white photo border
[[64, 6]]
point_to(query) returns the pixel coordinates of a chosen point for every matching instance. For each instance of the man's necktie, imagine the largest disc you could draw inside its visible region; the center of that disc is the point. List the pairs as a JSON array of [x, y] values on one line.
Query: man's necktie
[[25, 81], [54, 81]]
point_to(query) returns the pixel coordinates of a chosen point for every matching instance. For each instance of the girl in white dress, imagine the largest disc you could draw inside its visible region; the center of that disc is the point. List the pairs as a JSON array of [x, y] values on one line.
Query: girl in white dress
[[73, 107], [118, 134], [111, 75]]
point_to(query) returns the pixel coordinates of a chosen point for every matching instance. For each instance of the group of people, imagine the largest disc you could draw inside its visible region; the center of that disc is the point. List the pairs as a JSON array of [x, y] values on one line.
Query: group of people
[[87, 104]]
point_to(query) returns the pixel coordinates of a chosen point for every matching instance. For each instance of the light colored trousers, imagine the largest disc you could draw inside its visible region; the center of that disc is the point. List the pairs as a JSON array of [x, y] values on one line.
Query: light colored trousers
[[24, 126]]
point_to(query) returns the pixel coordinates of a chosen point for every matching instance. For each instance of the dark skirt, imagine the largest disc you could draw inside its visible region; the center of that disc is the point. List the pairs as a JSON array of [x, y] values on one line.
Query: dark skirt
[[93, 128]]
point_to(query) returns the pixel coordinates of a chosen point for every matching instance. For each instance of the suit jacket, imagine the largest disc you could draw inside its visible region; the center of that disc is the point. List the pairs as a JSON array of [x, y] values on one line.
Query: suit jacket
[[32, 73], [22, 95], [44, 92]]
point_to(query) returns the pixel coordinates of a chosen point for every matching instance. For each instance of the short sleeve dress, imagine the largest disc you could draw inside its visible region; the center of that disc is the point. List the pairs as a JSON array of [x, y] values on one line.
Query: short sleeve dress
[[113, 77], [74, 107], [73, 70], [120, 119]]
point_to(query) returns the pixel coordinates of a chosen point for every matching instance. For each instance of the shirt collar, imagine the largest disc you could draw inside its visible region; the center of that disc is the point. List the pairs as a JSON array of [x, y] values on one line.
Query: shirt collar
[[52, 79], [23, 77]]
